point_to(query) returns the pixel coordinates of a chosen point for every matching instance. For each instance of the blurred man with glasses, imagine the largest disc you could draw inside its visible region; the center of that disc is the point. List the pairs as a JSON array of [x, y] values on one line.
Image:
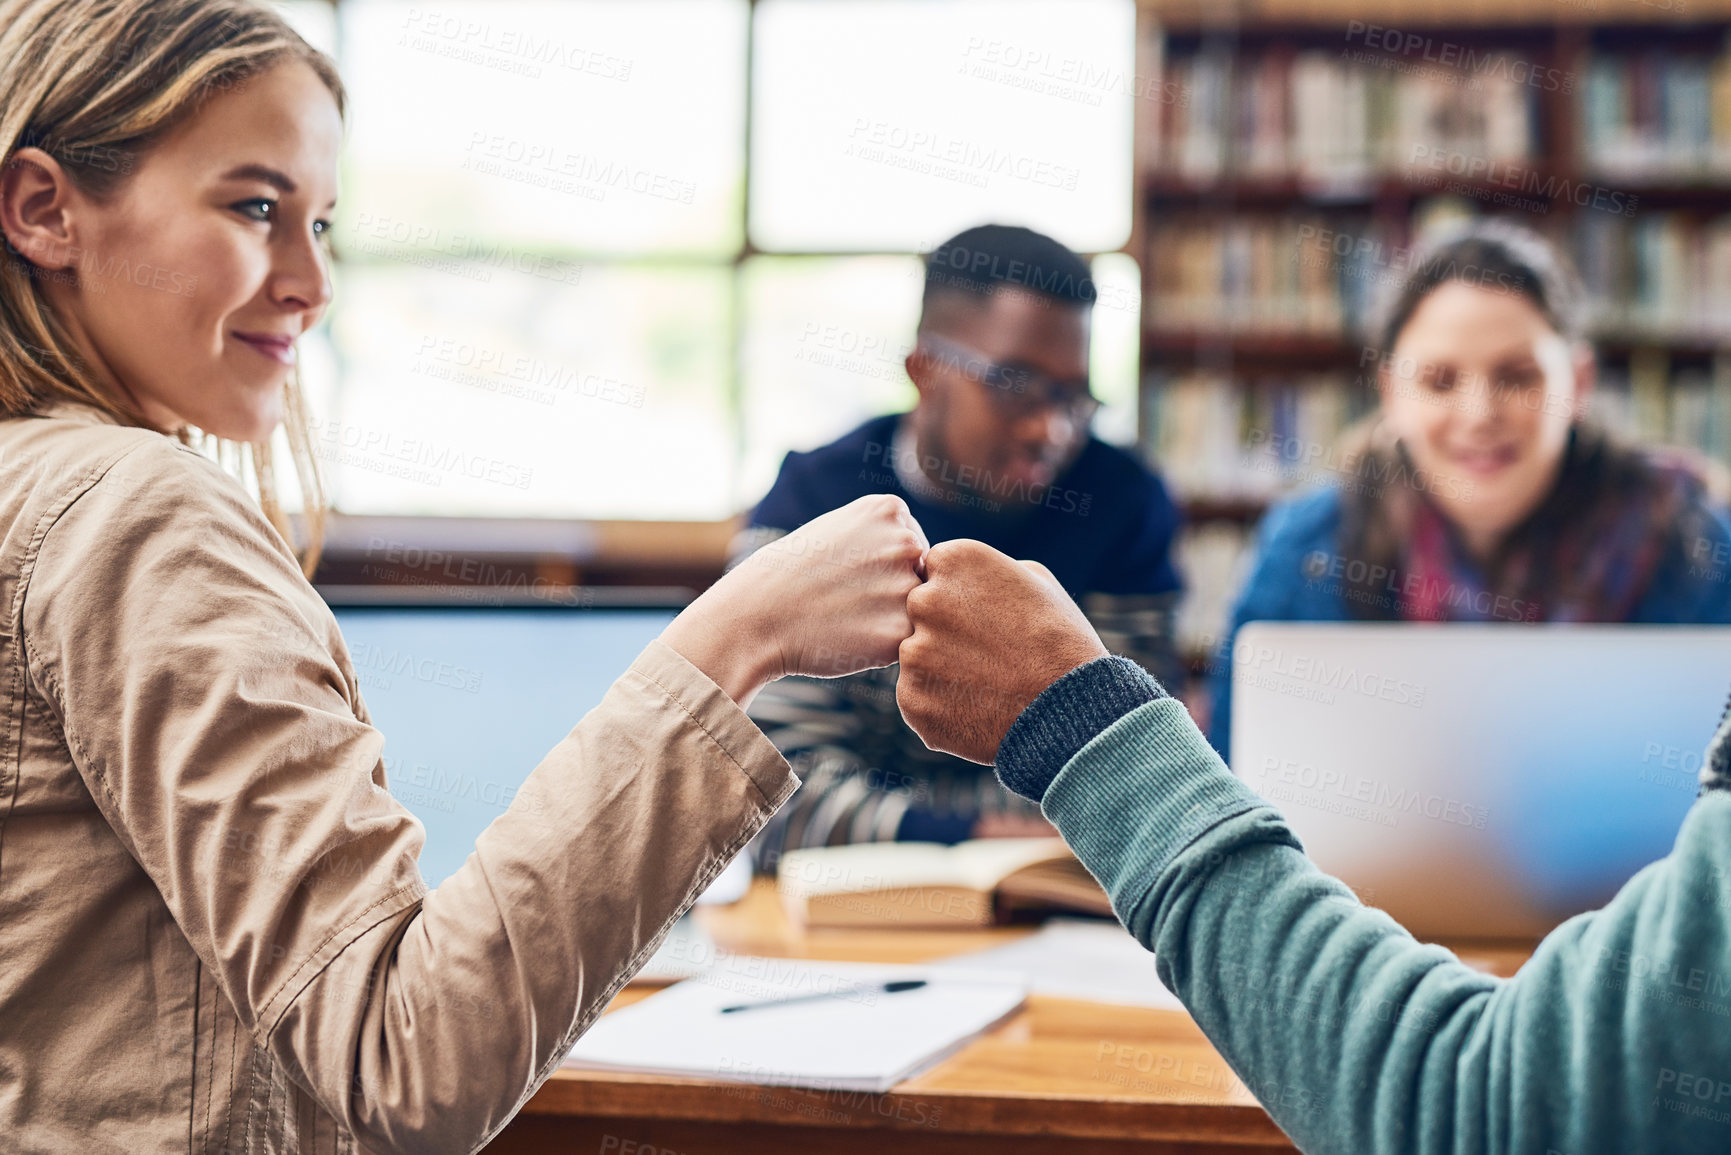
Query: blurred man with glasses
[[997, 448]]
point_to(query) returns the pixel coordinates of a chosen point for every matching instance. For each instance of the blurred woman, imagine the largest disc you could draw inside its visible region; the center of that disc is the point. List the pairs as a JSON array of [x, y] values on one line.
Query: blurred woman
[[1480, 491], [213, 933]]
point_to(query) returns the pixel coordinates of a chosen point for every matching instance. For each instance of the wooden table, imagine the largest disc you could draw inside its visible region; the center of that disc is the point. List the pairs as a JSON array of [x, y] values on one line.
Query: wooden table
[[1056, 1077]]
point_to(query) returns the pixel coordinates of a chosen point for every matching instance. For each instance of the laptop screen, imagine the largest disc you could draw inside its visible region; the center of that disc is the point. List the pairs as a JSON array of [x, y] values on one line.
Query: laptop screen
[[471, 698]]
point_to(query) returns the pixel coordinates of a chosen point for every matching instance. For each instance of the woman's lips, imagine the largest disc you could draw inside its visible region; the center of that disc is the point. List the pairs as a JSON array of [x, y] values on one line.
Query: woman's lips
[[1483, 462], [278, 348]]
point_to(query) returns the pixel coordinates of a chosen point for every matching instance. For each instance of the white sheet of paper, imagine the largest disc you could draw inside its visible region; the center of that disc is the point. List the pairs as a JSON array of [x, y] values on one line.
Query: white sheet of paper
[[687, 951], [854, 1041], [1078, 959]]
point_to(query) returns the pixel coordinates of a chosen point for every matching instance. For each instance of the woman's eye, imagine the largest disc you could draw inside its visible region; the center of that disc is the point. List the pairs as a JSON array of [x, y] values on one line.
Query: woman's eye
[[261, 209], [322, 230]]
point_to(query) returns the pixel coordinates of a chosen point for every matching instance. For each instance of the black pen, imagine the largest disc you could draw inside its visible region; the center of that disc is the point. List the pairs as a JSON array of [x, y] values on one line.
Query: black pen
[[889, 988]]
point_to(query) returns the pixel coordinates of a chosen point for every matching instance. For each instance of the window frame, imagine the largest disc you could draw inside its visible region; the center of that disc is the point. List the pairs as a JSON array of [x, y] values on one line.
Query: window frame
[[630, 550]]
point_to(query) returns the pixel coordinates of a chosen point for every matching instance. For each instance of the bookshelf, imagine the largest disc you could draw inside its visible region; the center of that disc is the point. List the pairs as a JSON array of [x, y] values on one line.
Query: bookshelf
[[1300, 148]]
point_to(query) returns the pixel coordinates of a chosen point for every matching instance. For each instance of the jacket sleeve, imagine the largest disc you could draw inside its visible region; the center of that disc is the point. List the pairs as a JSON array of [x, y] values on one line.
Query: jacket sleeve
[[1142, 561], [211, 707], [1357, 1038], [1266, 596]]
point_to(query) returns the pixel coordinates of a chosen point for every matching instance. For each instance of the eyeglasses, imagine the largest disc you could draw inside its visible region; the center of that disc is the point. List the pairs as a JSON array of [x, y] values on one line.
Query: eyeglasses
[[1017, 391]]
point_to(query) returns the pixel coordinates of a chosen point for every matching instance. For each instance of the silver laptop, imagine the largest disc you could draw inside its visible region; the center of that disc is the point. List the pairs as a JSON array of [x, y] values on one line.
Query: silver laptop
[[1478, 781]]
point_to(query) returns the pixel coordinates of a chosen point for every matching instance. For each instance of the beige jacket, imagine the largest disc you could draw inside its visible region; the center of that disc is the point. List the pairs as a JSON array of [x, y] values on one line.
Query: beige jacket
[[213, 933]]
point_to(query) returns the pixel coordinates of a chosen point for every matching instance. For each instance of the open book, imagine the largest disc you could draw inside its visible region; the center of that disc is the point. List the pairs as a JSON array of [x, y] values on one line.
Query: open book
[[927, 885]]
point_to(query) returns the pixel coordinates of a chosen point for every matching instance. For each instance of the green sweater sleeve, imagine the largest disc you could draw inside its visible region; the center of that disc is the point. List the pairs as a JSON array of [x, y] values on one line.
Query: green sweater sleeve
[[1614, 1038]]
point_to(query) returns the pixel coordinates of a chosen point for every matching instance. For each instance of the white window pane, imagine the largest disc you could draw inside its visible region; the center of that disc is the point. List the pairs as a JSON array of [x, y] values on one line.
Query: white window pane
[[883, 123], [316, 366], [1115, 349], [824, 344], [315, 20], [518, 395], [826, 337], [610, 126]]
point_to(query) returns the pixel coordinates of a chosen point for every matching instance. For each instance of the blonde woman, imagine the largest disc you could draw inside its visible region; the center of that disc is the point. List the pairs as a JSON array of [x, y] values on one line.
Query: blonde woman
[[213, 934]]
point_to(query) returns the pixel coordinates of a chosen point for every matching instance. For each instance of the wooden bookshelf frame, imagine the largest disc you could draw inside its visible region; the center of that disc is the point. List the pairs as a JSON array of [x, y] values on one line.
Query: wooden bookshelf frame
[[1460, 14], [1553, 33]]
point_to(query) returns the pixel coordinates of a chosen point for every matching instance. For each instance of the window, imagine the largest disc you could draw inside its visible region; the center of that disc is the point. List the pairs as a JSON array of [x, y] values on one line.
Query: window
[[614, 258]]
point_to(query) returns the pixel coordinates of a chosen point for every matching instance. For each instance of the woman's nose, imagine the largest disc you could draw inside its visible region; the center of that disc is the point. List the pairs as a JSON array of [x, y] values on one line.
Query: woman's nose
[[1477, 399], [301, 277]]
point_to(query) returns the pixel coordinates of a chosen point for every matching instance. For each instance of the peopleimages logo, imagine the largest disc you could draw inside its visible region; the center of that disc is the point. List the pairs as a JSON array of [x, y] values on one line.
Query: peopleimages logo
[[413, 458], [1407, 588], [1492, 63], [1356, 788], [928, 152], [1272, 661], [983, 482], [1523, 179]]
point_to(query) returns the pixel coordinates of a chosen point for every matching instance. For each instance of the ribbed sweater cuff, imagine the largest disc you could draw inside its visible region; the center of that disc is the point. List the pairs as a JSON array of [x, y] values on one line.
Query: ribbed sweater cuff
[[1140, 794], [1068, 715]]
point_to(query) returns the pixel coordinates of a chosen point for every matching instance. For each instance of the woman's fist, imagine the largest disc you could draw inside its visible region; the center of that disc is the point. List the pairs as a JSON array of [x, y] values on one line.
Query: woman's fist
[[838, 587], [826, 600]]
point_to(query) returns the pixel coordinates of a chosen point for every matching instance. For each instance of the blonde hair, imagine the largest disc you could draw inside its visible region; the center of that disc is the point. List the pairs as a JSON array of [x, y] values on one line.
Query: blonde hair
[[95, 84]]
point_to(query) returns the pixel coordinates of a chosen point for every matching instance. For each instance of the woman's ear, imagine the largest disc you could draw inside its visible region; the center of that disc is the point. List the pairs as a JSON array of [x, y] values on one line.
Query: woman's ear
[[35, 196]]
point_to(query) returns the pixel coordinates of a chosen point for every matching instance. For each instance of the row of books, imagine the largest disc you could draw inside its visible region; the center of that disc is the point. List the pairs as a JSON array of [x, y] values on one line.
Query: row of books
[[1652, 400], [1288, 273], [1658, 275], [1213, 557], [1663, 273], [1217, 439], [1385, 107], [1220, 438], [1231, 439], [1657, 114], [1343, 116]]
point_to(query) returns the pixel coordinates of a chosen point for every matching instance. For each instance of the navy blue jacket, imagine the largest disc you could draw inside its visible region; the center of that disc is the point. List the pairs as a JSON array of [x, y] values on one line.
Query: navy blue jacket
[[1105, 526]]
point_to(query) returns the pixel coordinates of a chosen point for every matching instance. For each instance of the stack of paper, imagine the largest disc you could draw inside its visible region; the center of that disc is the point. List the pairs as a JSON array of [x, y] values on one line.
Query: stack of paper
[[855, 1038], [1070, 959]]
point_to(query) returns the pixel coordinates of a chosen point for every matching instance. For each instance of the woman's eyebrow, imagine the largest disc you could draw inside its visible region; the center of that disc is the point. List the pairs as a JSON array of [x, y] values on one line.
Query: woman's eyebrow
[[270, 176], [264, 173]]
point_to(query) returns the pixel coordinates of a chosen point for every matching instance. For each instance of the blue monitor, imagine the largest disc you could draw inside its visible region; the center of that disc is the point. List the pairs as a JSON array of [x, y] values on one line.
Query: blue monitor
[[470, 697]]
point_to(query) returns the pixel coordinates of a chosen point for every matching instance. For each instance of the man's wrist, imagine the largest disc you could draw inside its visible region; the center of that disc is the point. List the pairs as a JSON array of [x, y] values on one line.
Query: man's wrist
[[1067, 715]]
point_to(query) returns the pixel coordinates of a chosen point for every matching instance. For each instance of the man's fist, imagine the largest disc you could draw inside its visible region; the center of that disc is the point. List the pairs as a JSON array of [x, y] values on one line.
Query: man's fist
[[989, 635]]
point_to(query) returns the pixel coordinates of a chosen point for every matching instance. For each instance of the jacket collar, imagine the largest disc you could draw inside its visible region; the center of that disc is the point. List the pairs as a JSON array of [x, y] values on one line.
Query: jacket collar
[[62, 409]]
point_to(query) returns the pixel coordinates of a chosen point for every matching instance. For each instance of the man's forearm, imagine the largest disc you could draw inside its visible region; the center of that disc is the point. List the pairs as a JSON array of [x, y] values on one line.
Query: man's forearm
[[1209, 877], [1353, 1035]]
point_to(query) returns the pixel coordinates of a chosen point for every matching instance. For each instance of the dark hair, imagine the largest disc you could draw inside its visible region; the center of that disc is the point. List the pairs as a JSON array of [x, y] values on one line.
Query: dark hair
[[977, 262], [1572, 554], [1494, 254]]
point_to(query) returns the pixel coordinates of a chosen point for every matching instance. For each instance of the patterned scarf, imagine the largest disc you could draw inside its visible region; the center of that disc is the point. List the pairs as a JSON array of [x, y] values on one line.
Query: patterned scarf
[[1588, 553]]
